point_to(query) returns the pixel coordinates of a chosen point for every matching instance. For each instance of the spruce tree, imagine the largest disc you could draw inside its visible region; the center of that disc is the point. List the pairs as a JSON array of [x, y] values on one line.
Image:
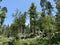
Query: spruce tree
[[33, 16], [3, 12], [58, 15]]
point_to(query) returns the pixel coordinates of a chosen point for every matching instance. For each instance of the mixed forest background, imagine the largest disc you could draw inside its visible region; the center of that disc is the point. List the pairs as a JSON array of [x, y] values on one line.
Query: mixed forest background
[[43, 27]]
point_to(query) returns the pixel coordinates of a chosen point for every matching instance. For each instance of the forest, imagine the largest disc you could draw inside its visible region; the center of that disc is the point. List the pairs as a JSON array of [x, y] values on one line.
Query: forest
[[43, 27]]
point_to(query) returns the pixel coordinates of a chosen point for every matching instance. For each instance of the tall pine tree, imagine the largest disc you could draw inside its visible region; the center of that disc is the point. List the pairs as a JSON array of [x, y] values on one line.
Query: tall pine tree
[[33, 16]]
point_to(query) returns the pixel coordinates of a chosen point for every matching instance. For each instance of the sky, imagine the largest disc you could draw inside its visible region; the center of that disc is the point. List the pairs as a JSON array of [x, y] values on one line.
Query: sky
[[22, 5]]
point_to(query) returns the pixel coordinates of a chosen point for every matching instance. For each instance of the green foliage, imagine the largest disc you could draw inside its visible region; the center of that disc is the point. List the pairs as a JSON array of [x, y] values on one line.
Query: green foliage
[[58, 5], [2, 17], [4, 9], [44, 28], [3, 12], [58, 16], [48, 23], [5, 39], [39, 41], [33, 18]]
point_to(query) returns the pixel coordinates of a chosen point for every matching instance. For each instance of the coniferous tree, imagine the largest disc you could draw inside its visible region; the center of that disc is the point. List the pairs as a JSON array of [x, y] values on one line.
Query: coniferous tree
[[3, 12], [33, 16], [23, 19], [43, 6], [58, 15]]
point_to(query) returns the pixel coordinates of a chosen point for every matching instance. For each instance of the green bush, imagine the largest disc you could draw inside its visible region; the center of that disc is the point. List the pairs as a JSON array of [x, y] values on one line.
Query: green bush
[[35, 41]]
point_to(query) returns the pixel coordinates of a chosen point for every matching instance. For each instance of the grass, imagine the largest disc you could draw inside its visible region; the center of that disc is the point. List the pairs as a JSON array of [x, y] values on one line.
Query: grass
[[5, 39]]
